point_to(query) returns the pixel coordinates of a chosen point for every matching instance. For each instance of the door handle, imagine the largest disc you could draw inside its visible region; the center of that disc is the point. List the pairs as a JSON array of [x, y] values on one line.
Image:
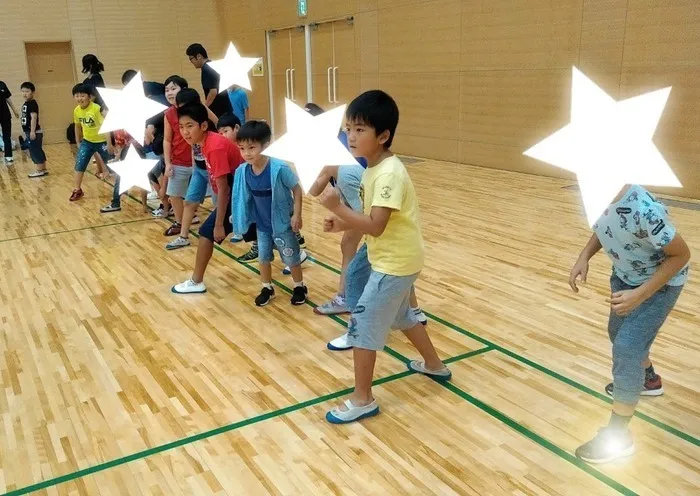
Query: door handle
[[328, 76], [291, 78], [335, 85], [286, 81]]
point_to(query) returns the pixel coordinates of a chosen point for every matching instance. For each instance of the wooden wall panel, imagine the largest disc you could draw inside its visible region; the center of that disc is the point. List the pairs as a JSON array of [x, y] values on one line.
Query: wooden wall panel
[[420, 37], [533, 34], [602, 34], [662, 33]]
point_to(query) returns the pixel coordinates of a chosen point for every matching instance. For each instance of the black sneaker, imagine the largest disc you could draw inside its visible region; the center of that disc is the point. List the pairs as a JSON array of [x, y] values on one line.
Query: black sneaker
[[299, 295], [608, 445], [265, 296], [251, 256], [302, 241]]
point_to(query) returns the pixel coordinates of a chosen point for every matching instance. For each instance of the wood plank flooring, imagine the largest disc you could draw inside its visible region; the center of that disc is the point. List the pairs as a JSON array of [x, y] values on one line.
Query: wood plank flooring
[[113, 385]]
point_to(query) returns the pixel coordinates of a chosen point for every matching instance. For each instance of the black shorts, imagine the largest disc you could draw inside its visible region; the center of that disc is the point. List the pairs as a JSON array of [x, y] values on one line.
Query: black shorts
[[206, 230]]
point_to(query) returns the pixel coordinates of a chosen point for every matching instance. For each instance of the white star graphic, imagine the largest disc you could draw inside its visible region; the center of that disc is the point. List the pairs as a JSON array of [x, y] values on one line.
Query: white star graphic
[[608, 144], [311, 142], [133, 171], [233, 69], [128, 109]]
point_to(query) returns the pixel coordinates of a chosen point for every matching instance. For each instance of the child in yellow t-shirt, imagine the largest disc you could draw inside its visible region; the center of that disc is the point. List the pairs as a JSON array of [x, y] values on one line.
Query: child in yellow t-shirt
[[391, 222], [88, 118]]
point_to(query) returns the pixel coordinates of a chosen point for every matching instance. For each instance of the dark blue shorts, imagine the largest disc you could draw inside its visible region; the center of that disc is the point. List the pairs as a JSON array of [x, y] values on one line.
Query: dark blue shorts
[[206, 230]]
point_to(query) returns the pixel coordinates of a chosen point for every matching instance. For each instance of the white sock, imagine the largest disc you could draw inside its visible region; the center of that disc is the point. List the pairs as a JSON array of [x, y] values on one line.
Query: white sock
[[267, 285], [416, 309], [298, 284]]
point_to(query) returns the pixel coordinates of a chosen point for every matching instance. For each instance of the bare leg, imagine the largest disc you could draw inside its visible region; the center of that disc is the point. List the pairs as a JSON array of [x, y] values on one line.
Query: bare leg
[[418, 336], [78, 180], [265, 272], [364, 361], [178, 206], [624, 409], [204, 253], [187, 215], [297, 275], [413, 299]]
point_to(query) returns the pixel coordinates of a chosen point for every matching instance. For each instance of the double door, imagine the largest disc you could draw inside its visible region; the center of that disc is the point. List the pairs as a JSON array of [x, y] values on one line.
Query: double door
[[311, 63]]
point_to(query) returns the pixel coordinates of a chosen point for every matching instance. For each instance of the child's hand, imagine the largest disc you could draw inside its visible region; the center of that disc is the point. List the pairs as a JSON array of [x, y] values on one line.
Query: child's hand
[[625, 302], [296, 223], [330, 199], [168, 171], [32, 136], [219, 233], [331, 224], [580, 269]]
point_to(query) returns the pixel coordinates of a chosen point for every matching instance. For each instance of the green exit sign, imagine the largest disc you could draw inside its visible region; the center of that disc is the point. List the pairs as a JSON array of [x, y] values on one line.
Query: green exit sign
[[302, 8]]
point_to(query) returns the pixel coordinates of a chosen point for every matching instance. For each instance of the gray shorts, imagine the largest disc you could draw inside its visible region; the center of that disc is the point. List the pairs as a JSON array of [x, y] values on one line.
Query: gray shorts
[[180, 180], [383, 306]]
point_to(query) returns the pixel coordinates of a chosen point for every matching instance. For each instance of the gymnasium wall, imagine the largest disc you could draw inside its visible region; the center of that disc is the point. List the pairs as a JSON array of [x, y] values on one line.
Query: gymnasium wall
[[148, 35], [480, 81]]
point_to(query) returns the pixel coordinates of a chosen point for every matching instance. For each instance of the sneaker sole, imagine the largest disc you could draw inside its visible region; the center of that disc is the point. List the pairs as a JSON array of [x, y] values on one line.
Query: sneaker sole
[[172, 290], [110, 210], [626, 453], [342, 312], [336, 348]]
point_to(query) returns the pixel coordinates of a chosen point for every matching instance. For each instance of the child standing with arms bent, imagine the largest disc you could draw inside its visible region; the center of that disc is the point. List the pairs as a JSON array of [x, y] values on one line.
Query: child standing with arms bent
[[391, 221], [650, 267]]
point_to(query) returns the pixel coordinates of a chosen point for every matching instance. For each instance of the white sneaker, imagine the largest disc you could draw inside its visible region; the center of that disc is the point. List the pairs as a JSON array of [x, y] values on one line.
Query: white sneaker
[[340, 343], [420, 315], [178, 242], [9, 160], [236, 238], [158, 213], [303, 256], [189, 287]]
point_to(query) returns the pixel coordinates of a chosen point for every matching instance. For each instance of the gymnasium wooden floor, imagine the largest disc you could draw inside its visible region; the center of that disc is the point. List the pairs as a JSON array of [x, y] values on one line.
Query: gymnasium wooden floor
[[113, 385]]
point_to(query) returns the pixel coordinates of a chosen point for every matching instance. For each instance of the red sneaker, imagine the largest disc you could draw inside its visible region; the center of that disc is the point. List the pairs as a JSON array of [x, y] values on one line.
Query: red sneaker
[[652, 387], [76, 195]]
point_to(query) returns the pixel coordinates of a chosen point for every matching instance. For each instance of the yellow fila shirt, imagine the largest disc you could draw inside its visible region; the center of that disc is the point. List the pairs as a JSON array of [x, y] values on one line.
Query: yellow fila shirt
[[90, 119]]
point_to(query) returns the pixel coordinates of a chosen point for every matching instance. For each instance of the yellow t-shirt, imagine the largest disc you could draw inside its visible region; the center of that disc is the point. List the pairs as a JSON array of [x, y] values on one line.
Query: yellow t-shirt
[[399, 250], [90, 119]]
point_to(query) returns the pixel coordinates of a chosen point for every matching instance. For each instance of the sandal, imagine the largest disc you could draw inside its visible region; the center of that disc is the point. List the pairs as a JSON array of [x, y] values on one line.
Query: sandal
[[353, 413]]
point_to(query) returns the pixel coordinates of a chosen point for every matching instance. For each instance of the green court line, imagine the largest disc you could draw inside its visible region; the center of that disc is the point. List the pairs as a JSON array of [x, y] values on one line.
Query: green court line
[[78, 229], [479, 404], [545, 443], [196, 437], [566, 380]]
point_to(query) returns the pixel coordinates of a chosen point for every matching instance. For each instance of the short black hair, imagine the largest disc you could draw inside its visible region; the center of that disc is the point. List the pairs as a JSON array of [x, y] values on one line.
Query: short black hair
[[228, 120], [313, 109], [186, 96], [83, 88], [255, 131], [196, 49], [375, 109], [178, 80], [195, 111], [29, 85], [128, 75]]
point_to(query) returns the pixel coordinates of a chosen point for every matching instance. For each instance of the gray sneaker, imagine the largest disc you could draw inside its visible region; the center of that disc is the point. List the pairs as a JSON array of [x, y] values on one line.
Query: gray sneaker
[[178, 242], [335, 306]]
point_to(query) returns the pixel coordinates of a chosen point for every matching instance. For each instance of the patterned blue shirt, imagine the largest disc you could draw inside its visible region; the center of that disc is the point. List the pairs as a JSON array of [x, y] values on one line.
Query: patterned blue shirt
[[634, 232]]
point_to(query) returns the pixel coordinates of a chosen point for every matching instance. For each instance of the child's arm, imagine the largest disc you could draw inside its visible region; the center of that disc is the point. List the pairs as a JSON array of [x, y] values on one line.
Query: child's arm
[[372, 224], [33, 117], [334, 224], [677, 256], [581, 266], [167, 147], [212, 117], [296, 218], [78, 133], [328, 172], [222, 200]]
